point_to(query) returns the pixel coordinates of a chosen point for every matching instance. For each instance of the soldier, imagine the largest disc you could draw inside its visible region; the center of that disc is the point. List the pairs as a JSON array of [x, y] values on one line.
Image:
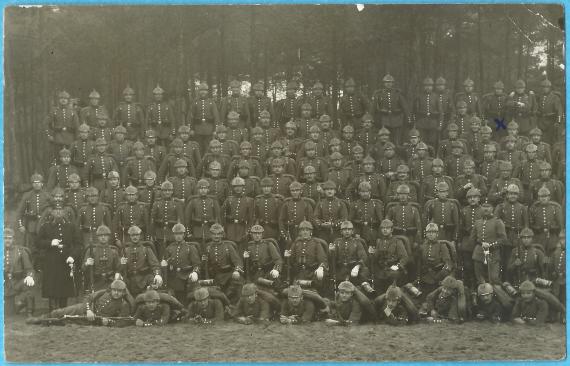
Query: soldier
[[429, 185], [312, 159], [30, 208], [478, 152], [101, 263], [160, 117], [57, 203], [546, 220], [152, 312], [356, 163], [489, 167], [205, 310], [58, 175], [311, 188], [471, 98], [529, 309], [168, 168], [18, 276], [224, 265], [259, 102], [201, 212], [498, 188], [394, 310], [245, 156], [215, 154], [420, 166], [140, 263], [377, 151], [494, 109], [74, 194], [320, 104], [543, 149], [149, 192], [157, 152], [530, 170], [294, 210], [556, 271], [555, 186], [405, 216], [270, 133], [445, 98], [349, 257], [82, 149], [308, 259], [329, 213], [267, 206], [163, 215], [182, 262], [237, 212], [235, 132], [461, 118], [291, 143], [549, 112], [472, 137], [511, 155], [402, 177], [288, 108], [388, 164], [130, 213], [184, 185], [470, 214], [190, 148], [469, 179], [327, 133], [515, 217], [444, 212], [99, 165], [340, 174], [521, 106], [366, 213], [434, 261], [102, 129], [277, 151], [444, 150], [305, 121], [428, 114], [261, 257], [526, 261], [367, 134], [237, 103], [390, 108], [219, 187], [61, 124], [92, 215], [513, 131], [389, 258], [93, 111], [345, 308], [136, 166], [295, 309], [58, 239], [130, 115], [119, 148], [251, 308], [352, 105], [314, 136], [112, 194], [488, 234], [348, 141], [445, 302], [229, 147], [487, 306], [376, 181]]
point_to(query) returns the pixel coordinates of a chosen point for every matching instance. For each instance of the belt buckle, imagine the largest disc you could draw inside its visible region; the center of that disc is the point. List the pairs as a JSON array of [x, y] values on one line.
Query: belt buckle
[[365, 223], [428, 114], [64, 128], [203, 120], [236, 221]]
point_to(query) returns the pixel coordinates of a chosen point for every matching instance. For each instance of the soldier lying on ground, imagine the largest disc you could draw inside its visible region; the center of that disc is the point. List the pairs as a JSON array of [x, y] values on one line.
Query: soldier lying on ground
[[205, 310]]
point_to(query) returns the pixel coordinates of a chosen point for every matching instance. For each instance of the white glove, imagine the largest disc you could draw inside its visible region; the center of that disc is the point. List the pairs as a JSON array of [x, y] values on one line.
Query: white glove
[[163, 263], [29, 281], [485, 245], [193, 277], [371, 250], [331, 246], [355, 270], [394, 267], [123, 260], [55, 242], [320, 272], [246, 254], [89, 261], [287, 253], [90, 315], [235, 275], [274, 273], [118, 276], [69, 260], [158, 280]]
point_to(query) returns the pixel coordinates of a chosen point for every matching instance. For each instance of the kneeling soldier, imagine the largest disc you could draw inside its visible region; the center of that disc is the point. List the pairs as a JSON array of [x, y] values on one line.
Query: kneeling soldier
[[18, 275], [348, 257], [262, 259]]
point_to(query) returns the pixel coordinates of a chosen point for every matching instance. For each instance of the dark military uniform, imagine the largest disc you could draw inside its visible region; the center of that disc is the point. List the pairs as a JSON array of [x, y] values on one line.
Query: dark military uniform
[[160, 117], [377, 185], [142, 265], [348, 253], [429, 116], [29, 210], [17, 266], [549, 115], [351, 109], [494, 109], [434, 264], [406, 219], [490, 230], [213, 311], [292, 212], [312, 190], [61, 124], [135, 169], [257, 105], [318, 163], [120, 151], [535, 309], [107, 263], [237, 134], [163, 215], [332, 210], [237, 213], [90, 114], [222, 260], [201, 212], [420, 168], [546, 220], [531, 264], [183, 186], [98, 167], [287, 109], [341, 177], [239, 104], [515, 218], [469, 215], [130, 115], [366, 215], [524, 112], [266, 213], [429, 186], [445, 213], [390, 110], [81, 151], [130, 214], [104, 132], [498, 188], [75, 198], [182, 258], [305, 311], [167, 168], [90, 217], [158, 153], [263, 258], [472, 100], [58, 176], [389, 251], [224, 160], [219, 188], [306, 256], [112, 197], [478, 181]]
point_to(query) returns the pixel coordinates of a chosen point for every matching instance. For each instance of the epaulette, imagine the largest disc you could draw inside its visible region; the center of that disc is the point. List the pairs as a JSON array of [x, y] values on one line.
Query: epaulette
[[289, 176], [487, 95], [130, 158], [254, 177]]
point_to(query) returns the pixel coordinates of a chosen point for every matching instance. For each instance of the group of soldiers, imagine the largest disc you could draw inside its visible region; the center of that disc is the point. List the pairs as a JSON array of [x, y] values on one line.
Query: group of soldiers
[[445, 208]]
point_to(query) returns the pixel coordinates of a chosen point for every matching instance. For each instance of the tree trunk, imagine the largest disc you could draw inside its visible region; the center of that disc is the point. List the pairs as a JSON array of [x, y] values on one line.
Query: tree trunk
[[507, 47], [482, 81]]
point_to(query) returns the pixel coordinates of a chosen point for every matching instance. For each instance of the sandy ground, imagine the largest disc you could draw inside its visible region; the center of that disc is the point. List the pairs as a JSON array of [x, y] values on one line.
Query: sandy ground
[[311, 342]]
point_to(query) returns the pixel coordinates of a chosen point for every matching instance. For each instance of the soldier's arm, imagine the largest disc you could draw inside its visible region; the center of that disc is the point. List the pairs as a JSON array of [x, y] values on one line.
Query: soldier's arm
[[194, 259], [361, 252], [152, 261], [163, 170], [402, 254], [456, 220], [235, 259], [275, 258]]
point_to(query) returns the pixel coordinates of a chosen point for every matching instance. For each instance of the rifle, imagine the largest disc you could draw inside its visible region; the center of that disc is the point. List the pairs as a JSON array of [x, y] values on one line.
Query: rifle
[[487, 261], [91, 274], [371, 251], [333, 269], [97, 317]]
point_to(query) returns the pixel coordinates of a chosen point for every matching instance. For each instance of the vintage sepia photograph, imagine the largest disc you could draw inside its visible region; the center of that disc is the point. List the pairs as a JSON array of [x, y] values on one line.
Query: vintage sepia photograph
[[284, 183]]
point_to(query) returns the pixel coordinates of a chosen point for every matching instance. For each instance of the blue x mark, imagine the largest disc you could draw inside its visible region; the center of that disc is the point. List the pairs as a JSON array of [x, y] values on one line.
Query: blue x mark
[[500, 124]]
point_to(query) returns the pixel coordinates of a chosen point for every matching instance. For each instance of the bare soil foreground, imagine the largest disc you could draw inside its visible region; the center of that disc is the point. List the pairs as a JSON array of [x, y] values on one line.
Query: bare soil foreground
[[312, 342]]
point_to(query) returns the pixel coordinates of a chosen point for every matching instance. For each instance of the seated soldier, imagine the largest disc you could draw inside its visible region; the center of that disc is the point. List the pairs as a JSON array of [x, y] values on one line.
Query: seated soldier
[[205, 310], [152, 312], [443, 304], [250, 307], [393, 309], [109, 307], [18, 275], [295, 309], [487, 306], [529, 309], [262, 259], [346, 308]]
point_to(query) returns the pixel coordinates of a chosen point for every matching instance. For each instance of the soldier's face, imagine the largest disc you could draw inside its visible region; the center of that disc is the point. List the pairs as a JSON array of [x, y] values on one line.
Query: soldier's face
[[428, 88], [310, 177], [436, 169], [233, 122], [120, 137], [202, 190], [325, 125], [8, 241], [179, 237], [181, 171], [510, 145], [544, 198], [344, 295], [65, 160], [389, 153], [295, 300], [305, 233], [83, 135], [217, 236], [386, 230], [337, 163], [311, 153], [545, 173], [535, 138], [526, 241], [177, 149], [402, 197], [388, 84], [151, 305], [468, 170], [135, 238], [114, 182], [151, 141], [368, 167], [74, 185], [296, 193], [306, 113], [315, 136], [149, 182], [431, 235], [157, 97], [265, 122], [462, 111], [442, 194], [468, 88], [512, 131], [167, 193], [486, 299], [347, 134], [58, 199], [244, 172], [290, 92], [422, 153], [346, 232], [330, 193], [132, 197], [439, 88], [257, 236], [128, 98], [258, 93], [545, 89], [487, 210], [277, 169], [94, 101], [392, 303], [63, 101], [92, 199], [349, 90], [238, 190], [499, 91], [101, 148], [235, 91], [219, 135], [103, 239], [473, 200], [383, 138], [519, 90], [215, 172], [276, 151], [245, 151], [358, 156], [527, 296], [512, 197], [531, 155], [402, 176], [489, 155], [414, 140], [203, 304], [317, 92], [505, 173], [250, 299], [365, 195], [485, 136], [139, 153], [266, 190], [116, 293], [290, 131]]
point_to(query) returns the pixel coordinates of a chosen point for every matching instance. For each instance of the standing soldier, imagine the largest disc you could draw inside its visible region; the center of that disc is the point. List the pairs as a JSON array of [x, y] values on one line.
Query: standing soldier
[[311, 159], [259, 102], [489, 167], [555, 186], [544, 152], [184, 185], [402, 177], [130, 115], [237, 212], [369, 175], [311, 188], [469, 214], [168, 168], [58, 175], [489, 236], [218, 185], [429, 185], [182, 262], [499, 186], [157, 152], [237, 103], [75, 194], [215, 155], [160, 117], [267, 207], [546, 220], [444, 149], [262, 259], [389, 258], [321, 104], [461, 118], [294, 210], [149, 192], [390, 109], [445, 98], [101, 262], [434, 261], [468, 180], [99, 165], [367, 134], [120, 149], [444, 212], [366, 213], [112, 194], [163, 215], [92, 215], [549, 112], [18, 275], [530, 170], [305, 121], [58, 239], [340, 174], [234, 131], [288, 109], [82, 149], [494, 109], [190, 148], [229, 147], [522, 107], [245, 157], [93, 111], [556, 271], [130, 213], [30, 209], [140, 263], [406, 217], [428, 113], [136, 166], [471, 98], [352, 105], [420, 166], [223, 264], [201, 212], [329, 213], [61, 124]]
